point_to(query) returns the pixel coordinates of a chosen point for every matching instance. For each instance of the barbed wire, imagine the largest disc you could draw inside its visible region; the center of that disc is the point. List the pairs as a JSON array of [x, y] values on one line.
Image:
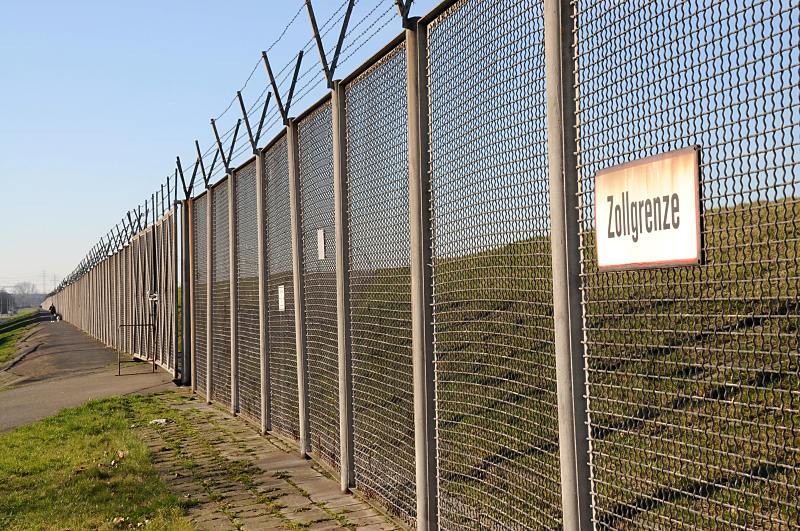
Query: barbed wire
[[142, 216]]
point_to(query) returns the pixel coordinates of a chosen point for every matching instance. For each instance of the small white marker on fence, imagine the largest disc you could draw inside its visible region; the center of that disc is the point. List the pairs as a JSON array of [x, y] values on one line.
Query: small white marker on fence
[[281, 299], [321, 244]]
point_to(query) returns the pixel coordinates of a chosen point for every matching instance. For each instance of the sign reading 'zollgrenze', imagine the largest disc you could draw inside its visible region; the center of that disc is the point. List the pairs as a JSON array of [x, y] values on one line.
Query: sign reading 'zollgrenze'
[[647, 212]]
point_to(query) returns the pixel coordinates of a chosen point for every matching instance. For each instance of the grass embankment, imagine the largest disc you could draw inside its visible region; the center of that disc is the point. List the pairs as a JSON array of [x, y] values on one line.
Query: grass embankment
[[693, 378], [85, 467], [8, 340]]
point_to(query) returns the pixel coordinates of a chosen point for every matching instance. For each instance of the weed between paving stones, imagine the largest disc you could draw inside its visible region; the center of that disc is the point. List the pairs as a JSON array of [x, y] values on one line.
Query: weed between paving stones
[[228, 480]]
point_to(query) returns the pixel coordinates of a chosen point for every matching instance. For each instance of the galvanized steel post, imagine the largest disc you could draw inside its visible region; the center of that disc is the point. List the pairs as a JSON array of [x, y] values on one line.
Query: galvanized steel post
[[299, 296], [565, 245], [347, 475], [263, 309], [232, 287], [421, 285]]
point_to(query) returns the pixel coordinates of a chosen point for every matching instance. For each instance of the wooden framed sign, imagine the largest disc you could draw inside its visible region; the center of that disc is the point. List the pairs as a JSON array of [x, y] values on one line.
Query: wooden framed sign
[[647, 212]]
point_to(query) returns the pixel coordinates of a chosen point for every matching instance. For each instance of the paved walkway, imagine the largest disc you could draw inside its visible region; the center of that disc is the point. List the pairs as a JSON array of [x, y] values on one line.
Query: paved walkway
[[67, 369], [233, 477], [239, 479]]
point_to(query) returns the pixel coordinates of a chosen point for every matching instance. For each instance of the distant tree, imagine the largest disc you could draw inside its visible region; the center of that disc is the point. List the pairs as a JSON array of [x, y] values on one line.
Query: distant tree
[[25, 292]]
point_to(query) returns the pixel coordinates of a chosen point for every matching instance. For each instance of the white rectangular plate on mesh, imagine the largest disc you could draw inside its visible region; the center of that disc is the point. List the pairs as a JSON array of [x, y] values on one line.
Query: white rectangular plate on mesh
[[647, 212], [321, 244]]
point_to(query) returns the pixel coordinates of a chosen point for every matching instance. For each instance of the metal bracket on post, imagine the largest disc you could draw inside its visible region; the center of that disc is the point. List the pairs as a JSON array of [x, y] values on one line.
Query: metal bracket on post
[[299, 296], [347, 471], [226, 160], [403, 8], [283, 108], [330, 70], [206, 175], [573, 432], [263, 309], [421, 283], [254, 139]]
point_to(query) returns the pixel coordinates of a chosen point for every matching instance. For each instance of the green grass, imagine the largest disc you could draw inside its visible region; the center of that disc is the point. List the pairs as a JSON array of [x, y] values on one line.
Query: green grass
[[8, 343], [8, 340], [693, 378], [58, 473]]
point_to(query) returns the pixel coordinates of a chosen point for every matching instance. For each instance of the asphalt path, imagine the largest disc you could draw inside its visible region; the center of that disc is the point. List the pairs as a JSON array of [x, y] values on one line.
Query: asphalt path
[[66, 369]]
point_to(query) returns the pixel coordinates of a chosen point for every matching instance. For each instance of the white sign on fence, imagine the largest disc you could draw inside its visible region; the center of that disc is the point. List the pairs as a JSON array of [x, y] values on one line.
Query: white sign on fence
[[647, 212], [281, 299], [321, 244]]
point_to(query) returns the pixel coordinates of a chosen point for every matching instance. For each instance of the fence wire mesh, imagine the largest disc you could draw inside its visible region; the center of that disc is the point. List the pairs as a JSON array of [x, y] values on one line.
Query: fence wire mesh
[[693, 372], [497, 427], [315, 150], [124, 331], [282, 354], [247, 329], [220, 296], [380, 284], [199, 290]]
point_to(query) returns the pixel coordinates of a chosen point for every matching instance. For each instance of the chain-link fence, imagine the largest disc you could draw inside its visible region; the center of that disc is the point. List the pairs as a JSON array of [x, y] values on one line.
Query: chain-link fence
[[319, 275], [460, 368], [693, 372], [380, 305], [248, 351], [220, 384], [281, 337], [199, 229], [126, 299], [497, 427]]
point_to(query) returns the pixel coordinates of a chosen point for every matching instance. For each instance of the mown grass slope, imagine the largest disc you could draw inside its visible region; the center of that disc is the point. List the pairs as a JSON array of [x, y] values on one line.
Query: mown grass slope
[[85, 467], [693, 380]]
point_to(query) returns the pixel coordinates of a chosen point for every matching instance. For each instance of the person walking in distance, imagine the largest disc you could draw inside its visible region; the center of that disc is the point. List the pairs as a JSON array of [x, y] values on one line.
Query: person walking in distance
[[53, 312]]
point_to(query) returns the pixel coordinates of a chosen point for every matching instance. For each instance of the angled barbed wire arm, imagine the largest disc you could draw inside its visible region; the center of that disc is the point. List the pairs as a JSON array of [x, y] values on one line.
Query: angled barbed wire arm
[[211, 169], [233, 144], [275, 90], [220, 149], [179, 169], [189, 191], [175, 188], [330, 69], [338, 49], [263, 117], [119, 236], [403, 8], [139, 217], [246, 121], [294, 81], [130, 224], [206, 177], [318, 39]]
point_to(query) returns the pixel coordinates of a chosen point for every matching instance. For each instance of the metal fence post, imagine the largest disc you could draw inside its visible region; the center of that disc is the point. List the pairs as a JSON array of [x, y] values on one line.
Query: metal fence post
[[421, 284], [565, 233], [263, 309], [297, 269], [209, 291], [232, 287], [347, 475], [187, 307]]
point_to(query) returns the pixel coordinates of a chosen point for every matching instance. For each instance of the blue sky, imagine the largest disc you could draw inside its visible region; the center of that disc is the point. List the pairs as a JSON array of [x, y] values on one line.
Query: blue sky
[[97, 99]]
